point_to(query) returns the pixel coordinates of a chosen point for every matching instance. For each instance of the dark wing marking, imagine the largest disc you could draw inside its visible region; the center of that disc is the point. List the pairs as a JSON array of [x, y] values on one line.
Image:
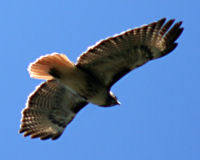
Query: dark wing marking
[[49, 109], [112, 58]]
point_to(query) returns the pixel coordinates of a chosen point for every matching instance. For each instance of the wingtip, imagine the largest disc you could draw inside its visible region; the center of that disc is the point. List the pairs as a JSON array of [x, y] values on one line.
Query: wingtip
[[21, 130], [162, 19], [180, 23]]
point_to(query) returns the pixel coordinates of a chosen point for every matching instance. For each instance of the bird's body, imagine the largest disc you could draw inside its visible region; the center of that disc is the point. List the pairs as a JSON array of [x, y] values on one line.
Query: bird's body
[[87, 86], [70, 87]]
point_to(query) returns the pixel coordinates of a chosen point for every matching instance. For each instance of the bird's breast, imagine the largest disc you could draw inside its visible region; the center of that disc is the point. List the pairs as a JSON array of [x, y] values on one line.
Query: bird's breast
[[86, 86]]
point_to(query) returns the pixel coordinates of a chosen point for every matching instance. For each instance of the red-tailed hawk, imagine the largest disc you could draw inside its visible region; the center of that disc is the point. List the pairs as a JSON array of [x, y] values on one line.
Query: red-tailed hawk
[[70, 87]]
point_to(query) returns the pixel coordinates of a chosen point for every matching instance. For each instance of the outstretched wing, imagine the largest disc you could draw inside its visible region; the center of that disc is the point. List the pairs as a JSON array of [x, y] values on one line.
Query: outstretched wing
[[49, 109], [112, 58]]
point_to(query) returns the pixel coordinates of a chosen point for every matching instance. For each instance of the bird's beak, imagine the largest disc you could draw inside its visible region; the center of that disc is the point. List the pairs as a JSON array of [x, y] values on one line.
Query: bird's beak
[[118, 102]]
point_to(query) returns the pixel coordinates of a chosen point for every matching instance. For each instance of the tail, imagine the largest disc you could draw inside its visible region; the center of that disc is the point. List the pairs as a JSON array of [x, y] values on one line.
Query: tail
[[50, 66]]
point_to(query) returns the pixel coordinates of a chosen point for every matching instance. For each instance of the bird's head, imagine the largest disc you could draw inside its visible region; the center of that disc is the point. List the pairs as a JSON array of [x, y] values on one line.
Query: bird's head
[[111, 100]]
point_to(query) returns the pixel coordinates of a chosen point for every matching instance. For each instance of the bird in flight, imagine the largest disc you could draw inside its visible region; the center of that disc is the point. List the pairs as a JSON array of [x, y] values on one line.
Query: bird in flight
[[71, 86]]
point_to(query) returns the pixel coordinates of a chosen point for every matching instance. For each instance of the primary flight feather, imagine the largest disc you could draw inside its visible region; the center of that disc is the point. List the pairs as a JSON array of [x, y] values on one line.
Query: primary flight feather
[[69, 87]]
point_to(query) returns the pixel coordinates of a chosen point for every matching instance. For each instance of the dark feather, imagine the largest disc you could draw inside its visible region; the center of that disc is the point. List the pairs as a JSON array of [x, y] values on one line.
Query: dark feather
[[112, 58], [49, 110]]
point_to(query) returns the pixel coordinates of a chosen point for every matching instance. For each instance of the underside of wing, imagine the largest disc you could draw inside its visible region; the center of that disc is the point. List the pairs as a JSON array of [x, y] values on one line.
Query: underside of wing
[[49, 109], [112, 58]]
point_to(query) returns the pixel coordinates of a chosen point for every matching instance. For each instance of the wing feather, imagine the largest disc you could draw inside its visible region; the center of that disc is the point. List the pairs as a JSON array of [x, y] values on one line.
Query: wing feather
[[49, 109], [112, 58]]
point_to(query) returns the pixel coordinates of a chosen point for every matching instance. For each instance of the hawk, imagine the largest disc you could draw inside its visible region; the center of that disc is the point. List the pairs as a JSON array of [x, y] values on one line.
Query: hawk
[[71, 86]]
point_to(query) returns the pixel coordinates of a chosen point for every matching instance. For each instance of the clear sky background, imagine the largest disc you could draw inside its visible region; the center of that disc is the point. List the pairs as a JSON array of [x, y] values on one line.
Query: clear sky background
[[159, 118]]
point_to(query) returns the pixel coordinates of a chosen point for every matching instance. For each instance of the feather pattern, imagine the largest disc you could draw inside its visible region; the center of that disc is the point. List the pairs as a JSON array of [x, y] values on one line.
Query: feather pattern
[[49, 109], [112, 58]]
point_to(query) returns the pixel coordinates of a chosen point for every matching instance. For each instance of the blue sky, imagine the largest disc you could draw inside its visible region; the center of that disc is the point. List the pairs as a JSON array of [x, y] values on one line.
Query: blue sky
[[159, 115]]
